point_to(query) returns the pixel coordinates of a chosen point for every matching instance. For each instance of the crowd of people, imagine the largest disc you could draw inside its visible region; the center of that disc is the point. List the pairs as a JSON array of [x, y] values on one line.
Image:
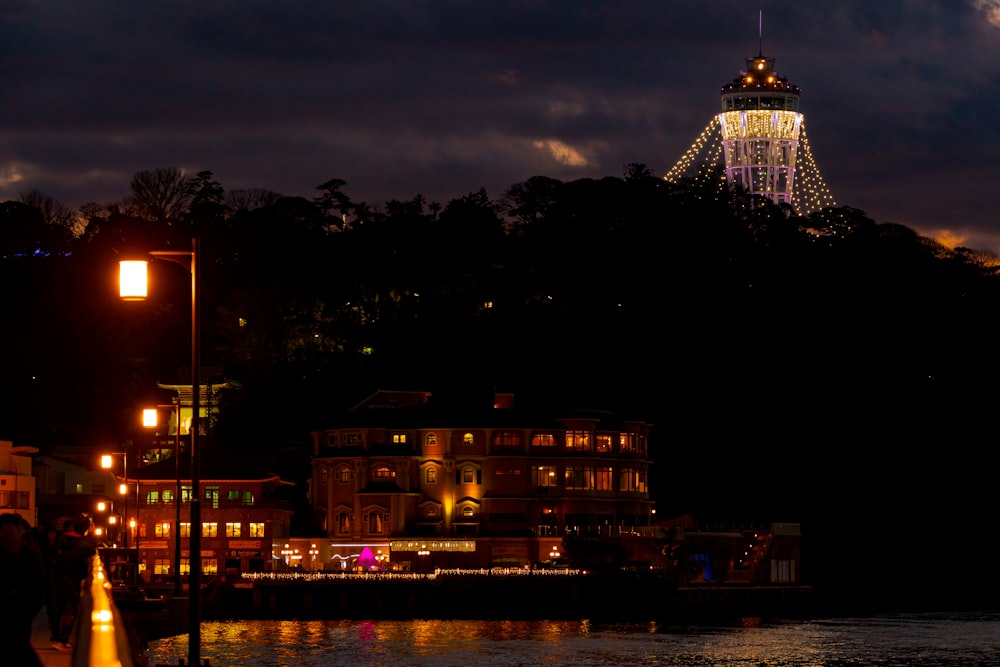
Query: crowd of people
[[41, 568]]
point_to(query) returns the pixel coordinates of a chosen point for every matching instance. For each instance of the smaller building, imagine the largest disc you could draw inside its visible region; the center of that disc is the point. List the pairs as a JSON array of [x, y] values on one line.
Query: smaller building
[[17, 482], [245, 522]]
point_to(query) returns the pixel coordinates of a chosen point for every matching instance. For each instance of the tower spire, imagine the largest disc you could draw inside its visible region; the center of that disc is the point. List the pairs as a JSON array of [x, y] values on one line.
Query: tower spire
[[760, 32]]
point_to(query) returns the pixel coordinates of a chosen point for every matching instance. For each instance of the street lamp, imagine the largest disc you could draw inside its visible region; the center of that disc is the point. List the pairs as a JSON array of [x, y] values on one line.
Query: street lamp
[[132, 274], [150, 419], [107, 462]]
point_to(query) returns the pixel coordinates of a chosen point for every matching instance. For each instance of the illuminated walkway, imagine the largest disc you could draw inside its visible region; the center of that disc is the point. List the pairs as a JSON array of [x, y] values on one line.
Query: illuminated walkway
[[40, 641]]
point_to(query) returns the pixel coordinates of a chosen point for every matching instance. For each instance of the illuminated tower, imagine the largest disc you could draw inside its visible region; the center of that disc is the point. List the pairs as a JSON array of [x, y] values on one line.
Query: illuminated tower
[[760, 123], [760, 141]]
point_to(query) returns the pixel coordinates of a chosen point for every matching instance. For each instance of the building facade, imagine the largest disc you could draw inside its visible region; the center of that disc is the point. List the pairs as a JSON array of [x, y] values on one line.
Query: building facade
[[245, 521], [17, 481], [422, 486]]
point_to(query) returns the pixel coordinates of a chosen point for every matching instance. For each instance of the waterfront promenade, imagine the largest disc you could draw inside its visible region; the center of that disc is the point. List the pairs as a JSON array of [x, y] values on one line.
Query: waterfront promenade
[[49, 656]]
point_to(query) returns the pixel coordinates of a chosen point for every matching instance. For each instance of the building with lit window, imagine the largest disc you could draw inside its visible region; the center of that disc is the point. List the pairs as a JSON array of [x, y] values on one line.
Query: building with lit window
[[245, 518], [423, 486]]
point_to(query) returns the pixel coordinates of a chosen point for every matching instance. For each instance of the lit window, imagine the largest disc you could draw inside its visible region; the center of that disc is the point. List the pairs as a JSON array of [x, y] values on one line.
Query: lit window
[[161, 566], [168, 496], [605, 479], [152, 497], [543, 440], [634, 480], [383, 472], [185, 530], [431, 475], [627, 442], [399, 438], [579, 477], [578, 440], [431, 439], [209, 530], [468, 511], [546, 476], [161, 529], [375, 523], [257, 529], [507, 439], [209, 566], [430, 511], [344, 475], [468, 439], [248, 497], [233, 529], [603, 441], [343, 522]]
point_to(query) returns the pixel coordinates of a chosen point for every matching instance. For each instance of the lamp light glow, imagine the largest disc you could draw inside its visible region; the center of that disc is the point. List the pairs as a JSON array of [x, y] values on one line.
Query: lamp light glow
[[132, 284]]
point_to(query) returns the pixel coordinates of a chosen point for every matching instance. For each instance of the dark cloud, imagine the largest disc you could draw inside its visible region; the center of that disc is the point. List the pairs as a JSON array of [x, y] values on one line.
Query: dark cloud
[[442, 98]]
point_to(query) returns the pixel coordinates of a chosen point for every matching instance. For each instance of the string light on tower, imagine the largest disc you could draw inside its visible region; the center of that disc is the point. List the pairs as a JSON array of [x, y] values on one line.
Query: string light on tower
[[758, 142]]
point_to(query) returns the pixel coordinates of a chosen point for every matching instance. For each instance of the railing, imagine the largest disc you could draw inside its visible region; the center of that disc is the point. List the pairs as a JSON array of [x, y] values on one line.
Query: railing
[[101, 638], [602, 530]]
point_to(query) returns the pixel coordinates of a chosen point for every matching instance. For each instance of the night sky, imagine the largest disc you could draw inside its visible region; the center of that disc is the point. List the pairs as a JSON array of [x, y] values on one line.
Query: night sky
[[442, 98]]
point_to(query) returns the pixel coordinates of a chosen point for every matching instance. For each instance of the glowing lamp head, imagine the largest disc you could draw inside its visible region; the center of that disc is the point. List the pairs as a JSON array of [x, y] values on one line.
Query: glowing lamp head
[[106, 461], [132, 282], [123, 489], [101, 506], [150, 418]]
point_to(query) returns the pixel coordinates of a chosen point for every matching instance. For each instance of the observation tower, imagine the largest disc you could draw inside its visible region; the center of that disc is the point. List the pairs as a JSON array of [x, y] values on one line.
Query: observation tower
[[760, 124], [759, 140]]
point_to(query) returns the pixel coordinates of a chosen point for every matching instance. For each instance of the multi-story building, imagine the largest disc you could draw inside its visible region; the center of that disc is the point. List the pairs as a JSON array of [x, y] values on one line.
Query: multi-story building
[[422, 486], [244, 518]]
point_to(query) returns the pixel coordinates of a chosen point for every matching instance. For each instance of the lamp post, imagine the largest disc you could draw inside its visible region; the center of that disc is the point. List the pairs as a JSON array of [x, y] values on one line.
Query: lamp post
[[132, 275], [150, 419], [107, 462]]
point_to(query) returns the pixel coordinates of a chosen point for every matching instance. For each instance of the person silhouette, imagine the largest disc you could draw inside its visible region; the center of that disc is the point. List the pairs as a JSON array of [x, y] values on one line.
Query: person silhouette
[[22, 590], [75, 549]]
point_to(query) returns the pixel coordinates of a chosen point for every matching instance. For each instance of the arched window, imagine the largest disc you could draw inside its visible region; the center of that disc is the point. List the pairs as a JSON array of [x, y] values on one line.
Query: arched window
[[431, 475], [468, 511], [468, 439], [431, 439], [383, 471]]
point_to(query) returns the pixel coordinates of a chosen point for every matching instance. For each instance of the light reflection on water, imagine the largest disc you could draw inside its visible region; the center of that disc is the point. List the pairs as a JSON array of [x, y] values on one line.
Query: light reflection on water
[[918, 640]]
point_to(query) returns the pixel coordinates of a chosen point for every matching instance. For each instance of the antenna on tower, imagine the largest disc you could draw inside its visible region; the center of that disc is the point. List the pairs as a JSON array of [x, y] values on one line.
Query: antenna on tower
[[760, 33]]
